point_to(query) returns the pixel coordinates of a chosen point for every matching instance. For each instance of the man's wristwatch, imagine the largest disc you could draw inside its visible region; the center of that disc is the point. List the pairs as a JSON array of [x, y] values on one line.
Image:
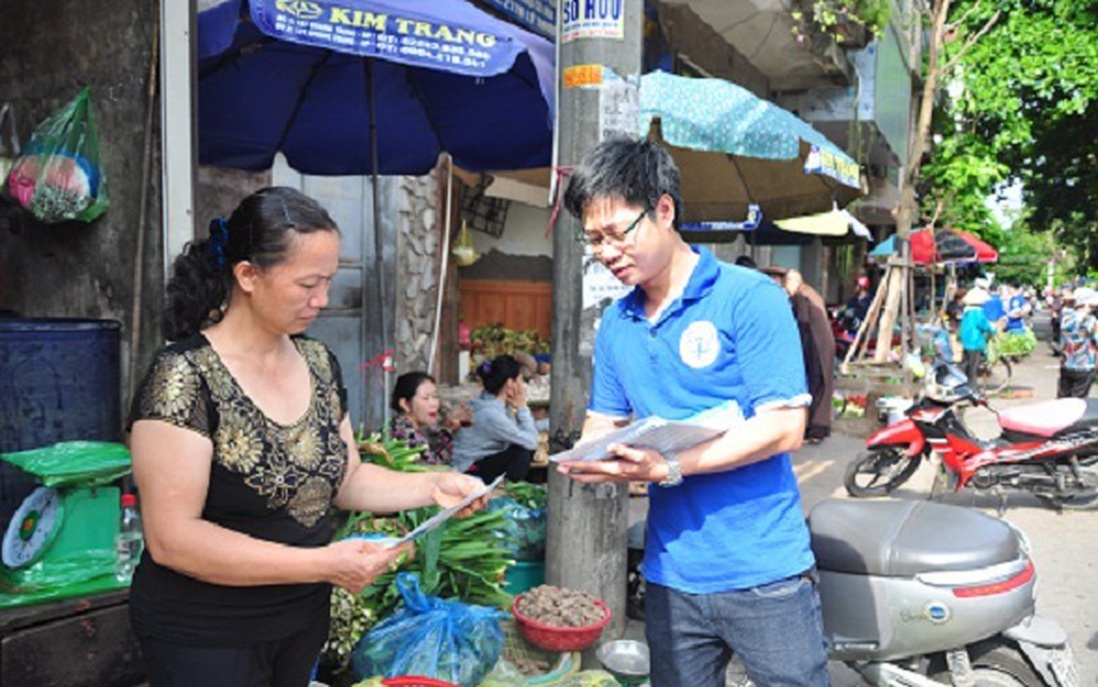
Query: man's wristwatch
[[674, 471]]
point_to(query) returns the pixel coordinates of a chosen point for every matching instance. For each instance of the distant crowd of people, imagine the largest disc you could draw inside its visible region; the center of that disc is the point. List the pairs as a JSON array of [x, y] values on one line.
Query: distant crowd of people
[[977, 314]]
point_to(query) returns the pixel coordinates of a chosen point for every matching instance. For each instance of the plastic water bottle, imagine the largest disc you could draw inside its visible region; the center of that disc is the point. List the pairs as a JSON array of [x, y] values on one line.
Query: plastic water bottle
[[129, 542]]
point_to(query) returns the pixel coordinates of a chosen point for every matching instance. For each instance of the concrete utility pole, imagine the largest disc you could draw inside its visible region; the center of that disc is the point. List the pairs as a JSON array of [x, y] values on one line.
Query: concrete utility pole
[[599, 66]]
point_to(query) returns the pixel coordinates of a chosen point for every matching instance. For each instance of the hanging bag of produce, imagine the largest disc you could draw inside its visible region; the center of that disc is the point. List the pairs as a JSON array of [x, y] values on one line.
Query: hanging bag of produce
[[445, 639], [9, 144], [58, 176], [464, 252]]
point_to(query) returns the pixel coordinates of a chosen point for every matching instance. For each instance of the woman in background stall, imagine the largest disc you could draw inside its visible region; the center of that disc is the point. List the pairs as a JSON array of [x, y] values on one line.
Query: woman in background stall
[[504, 437], [419, 420]]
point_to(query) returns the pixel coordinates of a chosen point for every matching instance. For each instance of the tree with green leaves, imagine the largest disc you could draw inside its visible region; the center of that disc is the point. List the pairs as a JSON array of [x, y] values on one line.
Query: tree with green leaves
[[1021, 109], [939, 65], [1010, 88]]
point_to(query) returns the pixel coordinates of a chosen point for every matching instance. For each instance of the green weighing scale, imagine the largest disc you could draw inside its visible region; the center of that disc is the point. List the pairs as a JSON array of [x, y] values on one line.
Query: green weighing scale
[[60, 541]]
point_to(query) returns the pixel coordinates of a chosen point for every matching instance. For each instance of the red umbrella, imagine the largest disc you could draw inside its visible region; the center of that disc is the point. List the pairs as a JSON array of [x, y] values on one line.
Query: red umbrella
[[949, 245], [984, 251]]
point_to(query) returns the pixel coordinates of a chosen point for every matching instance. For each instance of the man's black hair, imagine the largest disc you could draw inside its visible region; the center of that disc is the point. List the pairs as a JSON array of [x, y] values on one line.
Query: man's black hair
[[746, 261], [637, 171]]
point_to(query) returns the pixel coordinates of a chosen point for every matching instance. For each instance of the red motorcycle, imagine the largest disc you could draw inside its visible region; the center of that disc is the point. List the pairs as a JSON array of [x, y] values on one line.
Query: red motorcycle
[[1047, 449]]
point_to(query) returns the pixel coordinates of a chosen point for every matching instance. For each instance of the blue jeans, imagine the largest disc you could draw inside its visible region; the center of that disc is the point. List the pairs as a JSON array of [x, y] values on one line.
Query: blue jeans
[[776, 630]]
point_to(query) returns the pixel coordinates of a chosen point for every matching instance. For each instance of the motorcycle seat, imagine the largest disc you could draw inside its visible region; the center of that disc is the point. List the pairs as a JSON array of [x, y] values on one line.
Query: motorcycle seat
[[906, 538], [1047, 418]]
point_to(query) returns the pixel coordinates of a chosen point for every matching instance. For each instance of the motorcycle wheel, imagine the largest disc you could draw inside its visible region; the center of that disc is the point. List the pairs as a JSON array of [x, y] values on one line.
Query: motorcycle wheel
[[1080, 502], [879, 471], [1083, 501], [995, 663]]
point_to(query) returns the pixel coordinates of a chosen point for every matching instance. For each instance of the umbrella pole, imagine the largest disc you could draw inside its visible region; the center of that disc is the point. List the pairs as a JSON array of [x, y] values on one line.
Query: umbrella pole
[[933, 292], [379, 243], [444, 260]]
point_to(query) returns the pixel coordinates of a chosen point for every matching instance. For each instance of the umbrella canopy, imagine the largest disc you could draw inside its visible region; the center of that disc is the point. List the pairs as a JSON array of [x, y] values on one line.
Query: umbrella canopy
[[735, 149], [322, 81], [884, 249], [941, 246], [929, 246], [796, 231], [834, 223], [984, 251], [770, 234]]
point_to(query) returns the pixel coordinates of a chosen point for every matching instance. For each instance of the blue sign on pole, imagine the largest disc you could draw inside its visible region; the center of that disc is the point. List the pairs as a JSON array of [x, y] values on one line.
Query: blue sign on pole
[[539, 16]]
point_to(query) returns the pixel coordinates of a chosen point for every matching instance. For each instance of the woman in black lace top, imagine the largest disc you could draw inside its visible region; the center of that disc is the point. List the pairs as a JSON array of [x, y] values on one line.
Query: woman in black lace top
[[241, 446]]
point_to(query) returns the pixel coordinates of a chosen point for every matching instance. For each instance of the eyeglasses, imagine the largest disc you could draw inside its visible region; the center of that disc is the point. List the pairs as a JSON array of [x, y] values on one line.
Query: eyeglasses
[[598, 241]]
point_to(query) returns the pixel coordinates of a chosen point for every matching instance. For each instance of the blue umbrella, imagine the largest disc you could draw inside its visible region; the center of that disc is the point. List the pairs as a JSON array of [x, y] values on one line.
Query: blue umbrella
[[884, 248], [323, 81], [735, 149], [355, 87]]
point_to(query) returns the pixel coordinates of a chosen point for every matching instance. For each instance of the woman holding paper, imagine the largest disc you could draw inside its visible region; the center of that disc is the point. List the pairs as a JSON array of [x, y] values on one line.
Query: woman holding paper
[[241, 445], [504, 437]]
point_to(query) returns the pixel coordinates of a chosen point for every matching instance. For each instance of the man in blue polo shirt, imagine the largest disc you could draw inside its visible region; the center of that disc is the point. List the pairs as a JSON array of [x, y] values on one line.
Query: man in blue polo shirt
[[727, 558], [994, 310], [1017, 309]]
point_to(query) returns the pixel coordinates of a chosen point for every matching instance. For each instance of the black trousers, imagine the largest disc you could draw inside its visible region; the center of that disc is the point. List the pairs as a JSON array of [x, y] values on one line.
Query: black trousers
[[280, 663], [513, 461], [971, 363], [1074, 383]]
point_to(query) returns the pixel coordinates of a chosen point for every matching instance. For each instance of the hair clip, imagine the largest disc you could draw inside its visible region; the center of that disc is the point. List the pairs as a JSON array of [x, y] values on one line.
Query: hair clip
[[215, 246]]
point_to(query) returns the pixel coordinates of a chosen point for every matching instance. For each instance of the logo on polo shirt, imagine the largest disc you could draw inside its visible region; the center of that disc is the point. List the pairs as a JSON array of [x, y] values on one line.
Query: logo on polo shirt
[[699, 345]]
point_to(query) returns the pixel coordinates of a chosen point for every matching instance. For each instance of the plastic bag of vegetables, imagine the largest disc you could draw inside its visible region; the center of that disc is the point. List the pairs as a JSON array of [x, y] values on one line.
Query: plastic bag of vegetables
[[525, 531], [58, 176], [445, 639]]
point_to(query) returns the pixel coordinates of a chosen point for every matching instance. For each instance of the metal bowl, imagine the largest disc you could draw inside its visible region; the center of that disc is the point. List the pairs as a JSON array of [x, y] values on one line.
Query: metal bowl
[[626, 659]]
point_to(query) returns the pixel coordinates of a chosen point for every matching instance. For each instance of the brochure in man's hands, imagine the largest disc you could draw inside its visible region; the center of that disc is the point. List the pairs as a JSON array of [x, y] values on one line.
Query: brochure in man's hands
[[658, 433]]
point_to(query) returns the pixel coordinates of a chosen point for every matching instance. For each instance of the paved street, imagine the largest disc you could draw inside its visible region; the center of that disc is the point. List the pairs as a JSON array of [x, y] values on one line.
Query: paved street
[[1065, 543]]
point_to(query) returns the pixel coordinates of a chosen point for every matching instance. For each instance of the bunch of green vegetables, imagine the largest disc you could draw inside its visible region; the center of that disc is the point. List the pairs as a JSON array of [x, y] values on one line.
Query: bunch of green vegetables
[[494, 339], [532, 496], [1017, 344], [463, 558], [378, 448]]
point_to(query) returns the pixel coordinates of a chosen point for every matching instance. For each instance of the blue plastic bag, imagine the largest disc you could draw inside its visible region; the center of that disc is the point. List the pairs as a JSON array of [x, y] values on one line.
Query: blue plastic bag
[[445, 639]]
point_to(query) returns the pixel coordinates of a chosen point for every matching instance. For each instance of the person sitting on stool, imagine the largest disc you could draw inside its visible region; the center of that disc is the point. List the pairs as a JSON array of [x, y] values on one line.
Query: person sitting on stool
[[504, 437]]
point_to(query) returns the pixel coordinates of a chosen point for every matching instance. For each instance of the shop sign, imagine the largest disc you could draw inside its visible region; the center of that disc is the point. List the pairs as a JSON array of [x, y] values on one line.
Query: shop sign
[[408, 38], [592, 19], [539, 16]]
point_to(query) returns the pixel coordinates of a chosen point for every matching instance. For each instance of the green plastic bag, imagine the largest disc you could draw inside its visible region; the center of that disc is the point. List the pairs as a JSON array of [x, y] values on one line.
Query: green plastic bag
[[58, 177], [74, 463]]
